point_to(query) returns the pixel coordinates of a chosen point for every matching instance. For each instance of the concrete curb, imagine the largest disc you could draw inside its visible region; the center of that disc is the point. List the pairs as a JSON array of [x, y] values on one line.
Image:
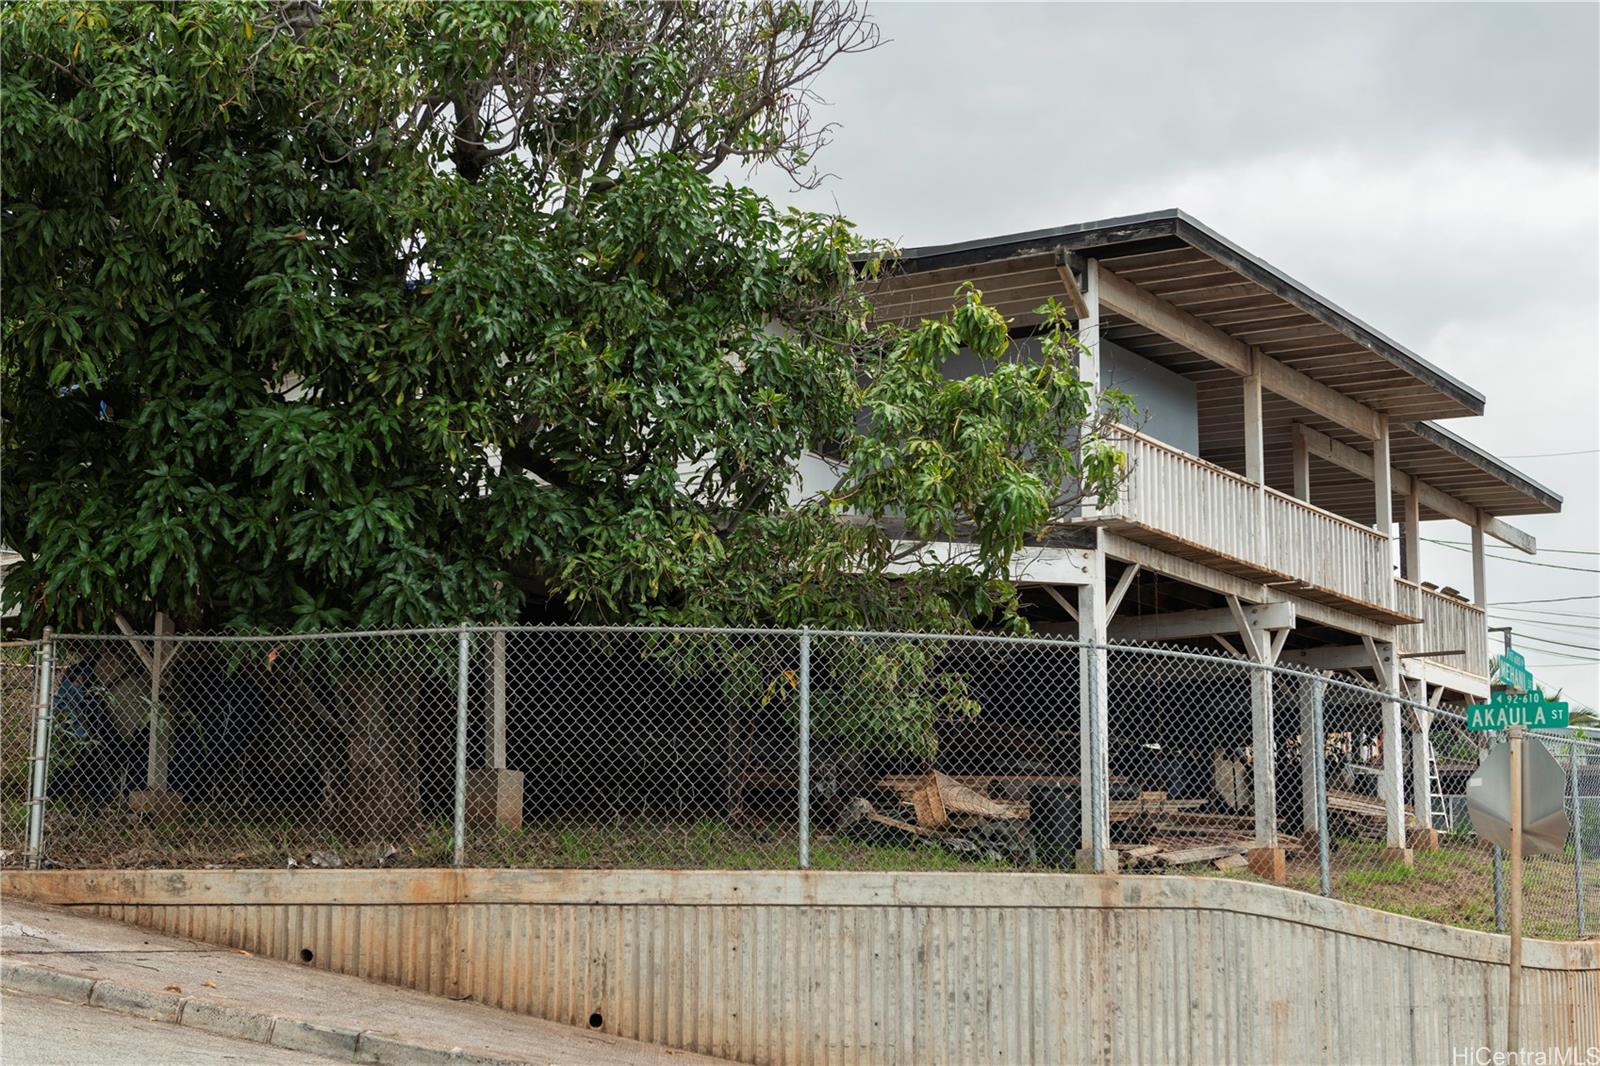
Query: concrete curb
[[296, 1034]]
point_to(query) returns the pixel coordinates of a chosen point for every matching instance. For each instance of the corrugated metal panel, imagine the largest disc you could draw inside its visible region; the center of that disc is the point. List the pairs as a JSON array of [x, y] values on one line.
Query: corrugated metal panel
[[1057, 970]]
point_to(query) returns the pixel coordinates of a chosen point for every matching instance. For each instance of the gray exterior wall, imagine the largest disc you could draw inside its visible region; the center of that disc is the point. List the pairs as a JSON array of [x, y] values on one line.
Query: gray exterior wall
[[1168, 403]]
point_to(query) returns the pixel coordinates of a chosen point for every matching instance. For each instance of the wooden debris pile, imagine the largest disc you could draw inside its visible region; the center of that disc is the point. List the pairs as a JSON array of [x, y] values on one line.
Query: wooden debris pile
[[994, 817], [1356, 814]]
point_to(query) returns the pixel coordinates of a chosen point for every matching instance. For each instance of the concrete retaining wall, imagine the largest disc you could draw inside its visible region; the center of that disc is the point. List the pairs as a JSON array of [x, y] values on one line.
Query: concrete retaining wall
[[789, 967]]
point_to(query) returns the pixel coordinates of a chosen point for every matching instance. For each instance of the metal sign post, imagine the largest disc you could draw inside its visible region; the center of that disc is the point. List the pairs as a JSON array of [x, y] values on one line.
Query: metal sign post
[[1517, 799], [1514, 999]]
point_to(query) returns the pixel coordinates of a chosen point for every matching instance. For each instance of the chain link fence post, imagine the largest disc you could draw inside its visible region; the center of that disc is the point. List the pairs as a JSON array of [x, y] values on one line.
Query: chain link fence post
[[39, 768], [463, 654], [804, 783], [1577, 832], [1499, 891], [1099, 786], [1319, 763]]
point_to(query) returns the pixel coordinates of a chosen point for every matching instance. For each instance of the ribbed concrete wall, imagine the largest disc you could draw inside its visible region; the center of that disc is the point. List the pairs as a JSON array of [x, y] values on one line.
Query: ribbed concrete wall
[[781, 967]]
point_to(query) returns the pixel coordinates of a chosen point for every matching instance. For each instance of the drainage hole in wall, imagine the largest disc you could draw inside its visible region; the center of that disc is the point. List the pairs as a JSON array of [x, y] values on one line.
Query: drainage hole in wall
[[595, 1021], [306, 955]]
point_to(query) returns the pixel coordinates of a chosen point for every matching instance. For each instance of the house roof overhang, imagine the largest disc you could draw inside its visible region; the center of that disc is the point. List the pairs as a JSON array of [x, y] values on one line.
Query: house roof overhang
[[1175, 257]]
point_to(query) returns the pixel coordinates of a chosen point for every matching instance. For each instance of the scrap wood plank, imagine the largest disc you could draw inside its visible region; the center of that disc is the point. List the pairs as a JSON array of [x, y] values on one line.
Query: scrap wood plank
[[1358, 803], [929, 805], [960, 799], [908, 783], [1206, 854], [898, 826]]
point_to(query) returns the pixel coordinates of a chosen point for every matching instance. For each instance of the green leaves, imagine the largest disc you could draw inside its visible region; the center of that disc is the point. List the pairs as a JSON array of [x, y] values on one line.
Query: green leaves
[[283, 351]]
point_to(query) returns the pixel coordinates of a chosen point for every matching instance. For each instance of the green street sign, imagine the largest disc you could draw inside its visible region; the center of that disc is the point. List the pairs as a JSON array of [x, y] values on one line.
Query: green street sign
[[1513, 672], [1506, 709]]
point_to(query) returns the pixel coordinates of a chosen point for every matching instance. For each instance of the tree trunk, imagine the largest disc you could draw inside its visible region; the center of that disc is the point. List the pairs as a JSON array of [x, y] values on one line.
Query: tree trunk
[[377, 796]]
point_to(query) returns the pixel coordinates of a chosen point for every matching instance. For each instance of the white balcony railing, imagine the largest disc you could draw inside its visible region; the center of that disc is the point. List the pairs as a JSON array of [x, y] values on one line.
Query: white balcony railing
[[1215, 511], [1448, 625]]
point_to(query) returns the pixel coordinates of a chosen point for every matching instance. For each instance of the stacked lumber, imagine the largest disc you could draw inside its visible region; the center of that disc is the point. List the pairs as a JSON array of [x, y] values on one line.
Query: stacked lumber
[[1361, 815]]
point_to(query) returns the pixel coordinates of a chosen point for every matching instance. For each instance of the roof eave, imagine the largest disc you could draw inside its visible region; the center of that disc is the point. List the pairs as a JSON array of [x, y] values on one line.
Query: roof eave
[[1170, 227], [1440, 437]]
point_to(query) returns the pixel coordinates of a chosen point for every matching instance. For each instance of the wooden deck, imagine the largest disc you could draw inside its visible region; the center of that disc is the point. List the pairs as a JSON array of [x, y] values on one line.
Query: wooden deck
[[1197, 510], [1449, 624]]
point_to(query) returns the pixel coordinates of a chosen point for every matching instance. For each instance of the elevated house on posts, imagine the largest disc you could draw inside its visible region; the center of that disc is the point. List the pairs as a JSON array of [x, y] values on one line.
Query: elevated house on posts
[[1287, 457]]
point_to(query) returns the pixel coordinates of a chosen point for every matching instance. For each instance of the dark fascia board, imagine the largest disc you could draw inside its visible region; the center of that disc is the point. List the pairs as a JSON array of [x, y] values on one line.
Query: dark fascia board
[[1172, 228], [1489, 464]]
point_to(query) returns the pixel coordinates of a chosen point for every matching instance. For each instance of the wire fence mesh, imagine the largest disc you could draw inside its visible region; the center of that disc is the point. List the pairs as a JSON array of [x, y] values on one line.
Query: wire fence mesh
[[18, 681], [608, 747]]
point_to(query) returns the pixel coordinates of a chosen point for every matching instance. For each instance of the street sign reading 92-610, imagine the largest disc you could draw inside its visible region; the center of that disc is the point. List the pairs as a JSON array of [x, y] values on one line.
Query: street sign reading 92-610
[[1506, 709]]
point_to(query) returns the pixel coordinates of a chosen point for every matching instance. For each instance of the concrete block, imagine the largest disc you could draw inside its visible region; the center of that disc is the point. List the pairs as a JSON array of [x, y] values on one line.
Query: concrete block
[[494, 797], [1268, 863], [1424, 840], [1085, 860], [315, 1039], [45, 982], [1400, 855], [157, 1006], [234, 1022]]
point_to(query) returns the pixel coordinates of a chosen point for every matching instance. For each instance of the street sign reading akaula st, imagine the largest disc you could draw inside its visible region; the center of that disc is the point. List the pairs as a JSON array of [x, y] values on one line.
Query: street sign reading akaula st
[[1544, 799], [1506, 709]]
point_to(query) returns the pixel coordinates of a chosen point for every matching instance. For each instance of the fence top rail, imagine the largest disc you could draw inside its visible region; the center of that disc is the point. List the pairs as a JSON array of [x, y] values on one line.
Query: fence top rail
[[992, 639]]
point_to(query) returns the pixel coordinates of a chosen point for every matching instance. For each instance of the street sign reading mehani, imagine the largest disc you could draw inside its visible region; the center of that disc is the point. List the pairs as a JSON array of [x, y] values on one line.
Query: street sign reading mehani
[[1506, 709], [1513, 672]]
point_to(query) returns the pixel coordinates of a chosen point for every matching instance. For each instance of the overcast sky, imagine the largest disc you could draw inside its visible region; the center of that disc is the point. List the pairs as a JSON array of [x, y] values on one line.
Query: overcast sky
[[1432, 168]]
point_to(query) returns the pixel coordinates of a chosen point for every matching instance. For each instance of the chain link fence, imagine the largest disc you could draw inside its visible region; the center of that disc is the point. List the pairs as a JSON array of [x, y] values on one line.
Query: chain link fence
[[18, 695], [608, 747]]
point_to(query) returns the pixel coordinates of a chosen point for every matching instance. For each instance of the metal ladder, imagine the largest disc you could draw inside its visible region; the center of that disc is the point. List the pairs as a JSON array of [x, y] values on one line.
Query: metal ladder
[[1438, 810]]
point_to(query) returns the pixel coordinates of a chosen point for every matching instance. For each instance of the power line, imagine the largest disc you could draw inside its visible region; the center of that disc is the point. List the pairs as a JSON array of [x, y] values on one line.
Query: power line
[[1553, 599], [1566, 655], [1524, 562], [1541, 616], [1467, 543], [1551, 455], [1532, 612], [1555, 643], [1540, 622]]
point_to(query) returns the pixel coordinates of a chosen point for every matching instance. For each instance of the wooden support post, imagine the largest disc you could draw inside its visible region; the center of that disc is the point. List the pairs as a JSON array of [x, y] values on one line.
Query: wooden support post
[[1302, 468], [1391, 781], [155, 798], [1306, 696], [494, 793], [1480, 591], [497, 727], [1382, 486], [1263, 646], [1095, 853], [1089, 358], [1411, 560], [1255, 453], [1093, 717], [1255, 456]]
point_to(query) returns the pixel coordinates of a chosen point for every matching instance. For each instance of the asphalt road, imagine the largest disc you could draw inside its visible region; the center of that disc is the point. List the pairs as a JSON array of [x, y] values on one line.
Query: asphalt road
[[36, 1032]]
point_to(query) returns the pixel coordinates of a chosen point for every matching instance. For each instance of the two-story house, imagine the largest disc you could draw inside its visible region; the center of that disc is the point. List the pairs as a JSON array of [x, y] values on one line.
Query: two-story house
[[1282, 441]]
